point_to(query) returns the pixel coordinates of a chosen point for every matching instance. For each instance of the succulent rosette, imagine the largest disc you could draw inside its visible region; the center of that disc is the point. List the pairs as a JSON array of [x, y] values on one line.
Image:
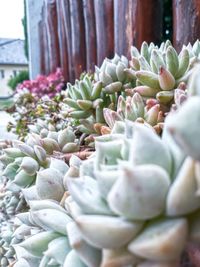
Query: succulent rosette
[[161, 70]]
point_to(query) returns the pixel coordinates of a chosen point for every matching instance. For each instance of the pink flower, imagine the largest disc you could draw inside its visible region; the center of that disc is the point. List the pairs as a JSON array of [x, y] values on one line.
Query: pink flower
[[45, 85]]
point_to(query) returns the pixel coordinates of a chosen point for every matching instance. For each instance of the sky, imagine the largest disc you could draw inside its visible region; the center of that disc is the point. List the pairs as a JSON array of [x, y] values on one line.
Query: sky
[[11, 14]]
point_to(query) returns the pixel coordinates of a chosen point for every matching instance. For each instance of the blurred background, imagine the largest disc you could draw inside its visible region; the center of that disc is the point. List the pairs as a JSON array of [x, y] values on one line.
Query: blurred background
[[76, 35]]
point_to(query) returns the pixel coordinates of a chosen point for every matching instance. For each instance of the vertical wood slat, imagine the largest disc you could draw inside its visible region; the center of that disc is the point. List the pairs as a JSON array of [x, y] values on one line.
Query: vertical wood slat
[[81, 33], [104, 29], [67, 28], [90, 34], [124, 16], [149, 21], [62, 41], [186, 22], [136, 21], [78, 37], [51, 24]]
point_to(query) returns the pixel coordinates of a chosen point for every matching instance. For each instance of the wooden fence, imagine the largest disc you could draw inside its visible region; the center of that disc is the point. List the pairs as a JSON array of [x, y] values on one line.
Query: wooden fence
[[76, 35]]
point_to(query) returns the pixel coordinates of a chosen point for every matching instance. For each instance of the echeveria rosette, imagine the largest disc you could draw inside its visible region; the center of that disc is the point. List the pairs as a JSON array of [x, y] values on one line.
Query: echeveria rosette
[[36, 237], [160, 70], [141, 199], [87, 97], [115, 73], [85, 102], [44, 240], [24, 160], [134, 109]]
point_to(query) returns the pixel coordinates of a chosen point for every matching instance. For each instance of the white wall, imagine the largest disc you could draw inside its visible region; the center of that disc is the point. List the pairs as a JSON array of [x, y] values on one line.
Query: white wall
[[8, 72], [34, 15]]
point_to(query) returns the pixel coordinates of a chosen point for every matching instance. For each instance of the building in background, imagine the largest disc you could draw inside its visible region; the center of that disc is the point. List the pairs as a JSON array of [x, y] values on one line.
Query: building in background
[[12, 61]]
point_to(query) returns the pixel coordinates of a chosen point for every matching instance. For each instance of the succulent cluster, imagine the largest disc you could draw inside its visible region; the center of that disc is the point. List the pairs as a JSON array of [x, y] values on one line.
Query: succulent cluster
[[115, 72], [87, 97], [39, 235], [139, 194], [122, 206], [157, 74], [135, 201], [134, 109], [160, 70], [10, 204], [7, 252], [28, 109], [38, 227]]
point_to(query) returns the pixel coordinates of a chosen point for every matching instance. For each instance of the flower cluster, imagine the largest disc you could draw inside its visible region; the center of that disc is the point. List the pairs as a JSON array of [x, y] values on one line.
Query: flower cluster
[[44, 85]]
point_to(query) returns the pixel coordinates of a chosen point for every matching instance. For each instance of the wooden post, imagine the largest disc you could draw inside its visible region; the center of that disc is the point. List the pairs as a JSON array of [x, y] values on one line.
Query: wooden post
[[67, 32], [52, 26], [104, 29], [136, 21], [78, 37], [62, 41], [186, 22], [90, 34], [124, 17]]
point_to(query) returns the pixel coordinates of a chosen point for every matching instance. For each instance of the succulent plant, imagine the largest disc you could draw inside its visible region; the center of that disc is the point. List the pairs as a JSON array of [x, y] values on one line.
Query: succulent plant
[[135, 202], [84, 98], [161, 70], [146, 203], [154, 73], [140, 199], [7, 252], [134, 109], [87, 97], [11, 203], [45, 241], [194, 51], [115, 72], [30, 112]]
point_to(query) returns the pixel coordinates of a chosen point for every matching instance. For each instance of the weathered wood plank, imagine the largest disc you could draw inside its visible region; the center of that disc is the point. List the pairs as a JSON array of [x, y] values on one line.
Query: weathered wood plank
[[124, 12], [149, 21], [186, 22], [90, 34], [104, 29], [67, 28], [62, 38], [78, 37], [52, 26], [136, 21]]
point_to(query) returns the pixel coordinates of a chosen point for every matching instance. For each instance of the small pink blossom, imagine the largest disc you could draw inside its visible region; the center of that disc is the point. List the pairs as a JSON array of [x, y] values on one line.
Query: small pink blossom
[[44, 85]]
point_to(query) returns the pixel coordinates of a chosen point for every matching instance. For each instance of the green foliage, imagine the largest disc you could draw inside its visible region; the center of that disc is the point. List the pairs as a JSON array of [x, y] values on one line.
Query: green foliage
[[14, 81]]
